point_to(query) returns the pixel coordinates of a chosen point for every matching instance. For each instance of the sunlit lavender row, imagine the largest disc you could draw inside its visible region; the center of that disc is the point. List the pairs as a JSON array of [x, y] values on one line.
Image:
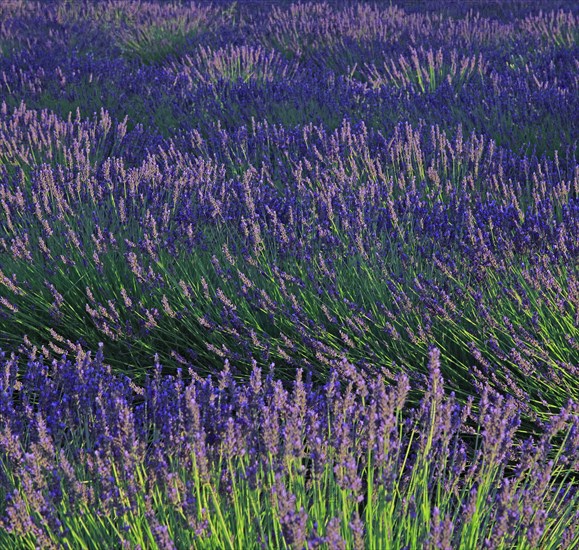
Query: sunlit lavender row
[[294, 246], [374, 205], [89, 456]]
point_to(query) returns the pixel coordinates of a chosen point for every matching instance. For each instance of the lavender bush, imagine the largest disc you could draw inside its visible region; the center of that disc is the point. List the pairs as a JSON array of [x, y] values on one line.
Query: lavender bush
[[289, 275]]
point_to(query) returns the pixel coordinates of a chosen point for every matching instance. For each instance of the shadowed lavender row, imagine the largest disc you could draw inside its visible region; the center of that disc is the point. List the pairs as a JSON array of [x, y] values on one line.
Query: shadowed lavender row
[[178, 67]]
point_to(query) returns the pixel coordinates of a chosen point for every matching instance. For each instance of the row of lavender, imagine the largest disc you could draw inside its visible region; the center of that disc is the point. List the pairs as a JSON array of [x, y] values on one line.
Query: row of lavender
[[219, 464], [186, 67], [294, 246], [340, 191]]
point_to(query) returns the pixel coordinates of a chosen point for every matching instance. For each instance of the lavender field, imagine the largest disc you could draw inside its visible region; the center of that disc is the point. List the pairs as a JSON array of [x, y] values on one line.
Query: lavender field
[[289, 276]]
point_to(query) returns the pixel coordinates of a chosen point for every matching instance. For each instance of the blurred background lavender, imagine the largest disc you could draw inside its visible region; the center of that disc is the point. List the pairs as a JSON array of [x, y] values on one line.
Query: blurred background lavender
[[289, 275]]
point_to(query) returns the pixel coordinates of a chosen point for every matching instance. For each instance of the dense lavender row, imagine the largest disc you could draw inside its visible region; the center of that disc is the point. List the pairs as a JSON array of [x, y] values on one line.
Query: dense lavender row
[[353, 192], [215, 464]]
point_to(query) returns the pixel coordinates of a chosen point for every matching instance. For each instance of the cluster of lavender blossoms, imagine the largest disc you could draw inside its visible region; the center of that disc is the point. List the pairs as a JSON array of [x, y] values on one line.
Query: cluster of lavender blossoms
[[280, 275]]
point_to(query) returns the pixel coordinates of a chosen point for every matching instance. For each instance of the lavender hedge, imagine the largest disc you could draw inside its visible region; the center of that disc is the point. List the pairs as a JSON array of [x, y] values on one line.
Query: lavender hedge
[[289, 275]]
